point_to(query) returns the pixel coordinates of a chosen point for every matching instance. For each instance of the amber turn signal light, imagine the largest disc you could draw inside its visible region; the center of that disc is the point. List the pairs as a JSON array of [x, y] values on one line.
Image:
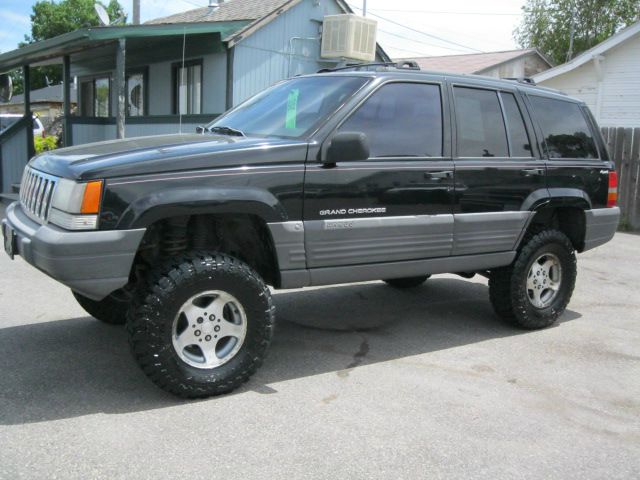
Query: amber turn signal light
[[91, 198]]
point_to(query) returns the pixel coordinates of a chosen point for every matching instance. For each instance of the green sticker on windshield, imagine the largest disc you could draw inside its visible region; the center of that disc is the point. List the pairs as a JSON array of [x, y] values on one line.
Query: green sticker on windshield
[[292, 109]]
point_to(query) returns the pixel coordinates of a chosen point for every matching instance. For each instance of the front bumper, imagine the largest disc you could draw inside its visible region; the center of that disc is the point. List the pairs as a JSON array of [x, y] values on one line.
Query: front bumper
[[600, 226], [92, 263]]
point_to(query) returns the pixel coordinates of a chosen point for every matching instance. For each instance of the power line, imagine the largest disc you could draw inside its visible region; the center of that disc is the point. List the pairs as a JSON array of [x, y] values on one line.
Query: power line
[[424, 33], [421, 42], [438, 12]]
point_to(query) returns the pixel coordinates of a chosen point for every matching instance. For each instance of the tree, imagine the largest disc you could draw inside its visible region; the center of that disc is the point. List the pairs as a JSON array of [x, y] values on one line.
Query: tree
[[49, 20], [548, 24]]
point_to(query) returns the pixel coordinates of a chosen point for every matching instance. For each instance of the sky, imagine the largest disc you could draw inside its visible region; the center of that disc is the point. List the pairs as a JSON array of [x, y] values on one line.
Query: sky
[[406, 28]]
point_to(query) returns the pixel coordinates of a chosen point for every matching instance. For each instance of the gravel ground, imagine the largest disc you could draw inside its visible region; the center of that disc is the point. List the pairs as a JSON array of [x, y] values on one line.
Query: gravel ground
[[362, 382]]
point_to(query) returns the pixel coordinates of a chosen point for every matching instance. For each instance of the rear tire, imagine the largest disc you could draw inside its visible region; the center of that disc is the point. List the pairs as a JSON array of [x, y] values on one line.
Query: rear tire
[[111, 309], [534, 291], [201, 324], [407, 282]]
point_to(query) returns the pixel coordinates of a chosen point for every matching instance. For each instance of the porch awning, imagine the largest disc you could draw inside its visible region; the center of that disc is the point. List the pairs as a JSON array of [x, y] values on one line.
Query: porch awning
[[41, 53]]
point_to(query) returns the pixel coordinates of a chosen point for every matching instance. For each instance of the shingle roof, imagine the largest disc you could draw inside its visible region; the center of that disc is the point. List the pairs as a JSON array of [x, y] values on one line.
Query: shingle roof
[[47, 94], [228, 11], [469, 63]]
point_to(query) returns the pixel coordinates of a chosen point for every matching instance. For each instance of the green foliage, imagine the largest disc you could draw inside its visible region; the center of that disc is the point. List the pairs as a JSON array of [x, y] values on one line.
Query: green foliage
[[51, 19], [547, 24], [45, 144]]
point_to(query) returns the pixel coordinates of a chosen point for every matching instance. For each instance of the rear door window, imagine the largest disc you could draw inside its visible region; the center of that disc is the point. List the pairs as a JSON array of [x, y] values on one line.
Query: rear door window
[[519, 142], [480, 127], [565, 128], [401, 120]]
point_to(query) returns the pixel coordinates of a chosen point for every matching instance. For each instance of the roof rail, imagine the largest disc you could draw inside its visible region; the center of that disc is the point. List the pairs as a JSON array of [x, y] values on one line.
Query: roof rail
[[402, 65], [527, 80]]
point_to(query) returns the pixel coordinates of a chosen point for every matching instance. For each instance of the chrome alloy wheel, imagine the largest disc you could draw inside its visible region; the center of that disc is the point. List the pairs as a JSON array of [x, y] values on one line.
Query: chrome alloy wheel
[[543, 280], [209, 329]]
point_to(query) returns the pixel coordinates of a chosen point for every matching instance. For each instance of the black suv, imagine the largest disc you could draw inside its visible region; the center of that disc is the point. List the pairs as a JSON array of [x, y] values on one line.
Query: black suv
[[322, 179]]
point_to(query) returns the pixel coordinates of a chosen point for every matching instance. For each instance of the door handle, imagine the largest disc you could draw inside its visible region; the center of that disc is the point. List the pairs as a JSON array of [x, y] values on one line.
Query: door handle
[[527, 172], [439, 175]]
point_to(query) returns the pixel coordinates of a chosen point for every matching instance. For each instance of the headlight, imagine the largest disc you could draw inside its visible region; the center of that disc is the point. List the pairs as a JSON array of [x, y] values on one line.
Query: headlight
[[75, 206]]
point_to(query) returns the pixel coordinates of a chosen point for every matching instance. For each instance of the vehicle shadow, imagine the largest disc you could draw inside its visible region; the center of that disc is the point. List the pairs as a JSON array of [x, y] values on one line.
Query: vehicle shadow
[[75, 367]]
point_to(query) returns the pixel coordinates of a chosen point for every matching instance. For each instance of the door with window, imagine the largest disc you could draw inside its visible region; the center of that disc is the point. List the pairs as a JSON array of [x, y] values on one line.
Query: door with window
[[397, 204], [497, 168]]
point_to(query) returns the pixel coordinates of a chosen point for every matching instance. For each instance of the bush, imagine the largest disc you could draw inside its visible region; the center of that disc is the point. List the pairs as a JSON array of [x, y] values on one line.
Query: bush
[[45, 144]]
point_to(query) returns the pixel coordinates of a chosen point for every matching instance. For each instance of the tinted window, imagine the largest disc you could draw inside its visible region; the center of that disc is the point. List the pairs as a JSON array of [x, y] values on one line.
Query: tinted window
[[401, 119], [518, 138], [481, 131], [565, 128]]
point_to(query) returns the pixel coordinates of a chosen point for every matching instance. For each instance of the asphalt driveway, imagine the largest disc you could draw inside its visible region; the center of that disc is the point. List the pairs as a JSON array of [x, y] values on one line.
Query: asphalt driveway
[[362, 381]]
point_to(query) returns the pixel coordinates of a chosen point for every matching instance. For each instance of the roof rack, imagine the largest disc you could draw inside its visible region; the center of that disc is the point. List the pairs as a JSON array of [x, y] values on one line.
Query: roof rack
[[527, 80], [402, 65]]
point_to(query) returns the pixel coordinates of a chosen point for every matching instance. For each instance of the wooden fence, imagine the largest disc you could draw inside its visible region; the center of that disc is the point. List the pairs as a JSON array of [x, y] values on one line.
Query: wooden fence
[[624, 149]]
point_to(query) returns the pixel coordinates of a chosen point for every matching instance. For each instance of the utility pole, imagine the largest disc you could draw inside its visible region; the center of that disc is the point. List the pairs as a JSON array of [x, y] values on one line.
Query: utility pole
[[136, 12], [364, 8]]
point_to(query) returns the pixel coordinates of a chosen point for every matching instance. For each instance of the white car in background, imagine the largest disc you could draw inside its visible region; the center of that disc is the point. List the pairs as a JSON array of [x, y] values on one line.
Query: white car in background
[[8, 119]]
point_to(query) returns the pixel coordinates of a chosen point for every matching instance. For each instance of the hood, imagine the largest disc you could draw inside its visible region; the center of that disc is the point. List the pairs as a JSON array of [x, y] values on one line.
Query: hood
[[165, 153]]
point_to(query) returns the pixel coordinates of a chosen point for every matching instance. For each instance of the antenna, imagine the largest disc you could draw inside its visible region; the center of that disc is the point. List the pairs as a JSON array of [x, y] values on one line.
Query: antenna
[[103, 16]]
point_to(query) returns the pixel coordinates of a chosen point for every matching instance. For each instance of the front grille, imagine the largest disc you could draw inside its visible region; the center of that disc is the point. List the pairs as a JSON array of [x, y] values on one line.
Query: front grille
[[36, 192]]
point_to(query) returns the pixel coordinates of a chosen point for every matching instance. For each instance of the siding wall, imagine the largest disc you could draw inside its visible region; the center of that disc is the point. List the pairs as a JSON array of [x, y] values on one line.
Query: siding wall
[[616, 100], [14, 156], [214, 80], [262, 59], [88, 133], [519, 67]]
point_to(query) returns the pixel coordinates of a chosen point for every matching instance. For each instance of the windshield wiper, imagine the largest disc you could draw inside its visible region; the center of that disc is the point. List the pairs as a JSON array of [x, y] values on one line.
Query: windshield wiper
[[227, 131]]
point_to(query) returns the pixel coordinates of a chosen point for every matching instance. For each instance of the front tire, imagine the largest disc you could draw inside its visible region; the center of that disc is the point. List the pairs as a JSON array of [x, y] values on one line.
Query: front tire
[[535, 290], [406, 282], [111, 309], [201, 325]]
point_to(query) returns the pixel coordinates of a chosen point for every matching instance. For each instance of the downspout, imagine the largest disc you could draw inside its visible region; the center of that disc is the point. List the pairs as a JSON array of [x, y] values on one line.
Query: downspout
[[597, 63], [229, 96]]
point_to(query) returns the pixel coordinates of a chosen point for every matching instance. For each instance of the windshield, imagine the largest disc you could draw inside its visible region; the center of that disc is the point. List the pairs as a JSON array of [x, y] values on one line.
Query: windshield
[[290, 109]]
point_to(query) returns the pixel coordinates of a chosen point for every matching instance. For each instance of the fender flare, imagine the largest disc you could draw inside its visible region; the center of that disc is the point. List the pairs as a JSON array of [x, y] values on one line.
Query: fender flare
[[557, 197], [181, 201]]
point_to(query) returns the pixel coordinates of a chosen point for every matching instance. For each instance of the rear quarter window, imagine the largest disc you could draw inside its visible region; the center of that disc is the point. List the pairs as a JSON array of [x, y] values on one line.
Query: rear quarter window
[[565, 128]]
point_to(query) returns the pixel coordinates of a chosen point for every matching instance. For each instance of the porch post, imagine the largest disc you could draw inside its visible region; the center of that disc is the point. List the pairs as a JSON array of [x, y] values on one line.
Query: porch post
[[26, 83], [66, 101], [121, 86]]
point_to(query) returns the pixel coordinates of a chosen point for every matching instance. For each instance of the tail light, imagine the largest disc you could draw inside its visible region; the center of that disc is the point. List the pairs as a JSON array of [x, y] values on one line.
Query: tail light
[[612, 195]]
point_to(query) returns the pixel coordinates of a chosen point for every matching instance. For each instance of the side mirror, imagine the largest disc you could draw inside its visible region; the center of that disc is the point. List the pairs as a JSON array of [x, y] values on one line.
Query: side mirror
[[200, 129], [347, 147], [6, 88]]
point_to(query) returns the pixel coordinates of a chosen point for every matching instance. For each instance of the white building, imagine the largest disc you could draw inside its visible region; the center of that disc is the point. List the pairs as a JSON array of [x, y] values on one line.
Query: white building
[[606, 77]]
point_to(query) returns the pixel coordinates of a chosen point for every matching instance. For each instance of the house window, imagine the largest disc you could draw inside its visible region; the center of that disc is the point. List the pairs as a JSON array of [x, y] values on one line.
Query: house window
[[136, 95], [95, 97], [187, 88]]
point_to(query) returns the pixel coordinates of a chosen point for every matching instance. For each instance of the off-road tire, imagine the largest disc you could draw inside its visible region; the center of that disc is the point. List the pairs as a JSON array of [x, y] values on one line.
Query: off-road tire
[[150, 321], [406, 282], [507, 285], [111, 309]]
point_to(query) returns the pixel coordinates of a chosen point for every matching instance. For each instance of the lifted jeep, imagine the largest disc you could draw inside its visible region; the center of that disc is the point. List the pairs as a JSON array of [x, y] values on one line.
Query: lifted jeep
[[322, 179]]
